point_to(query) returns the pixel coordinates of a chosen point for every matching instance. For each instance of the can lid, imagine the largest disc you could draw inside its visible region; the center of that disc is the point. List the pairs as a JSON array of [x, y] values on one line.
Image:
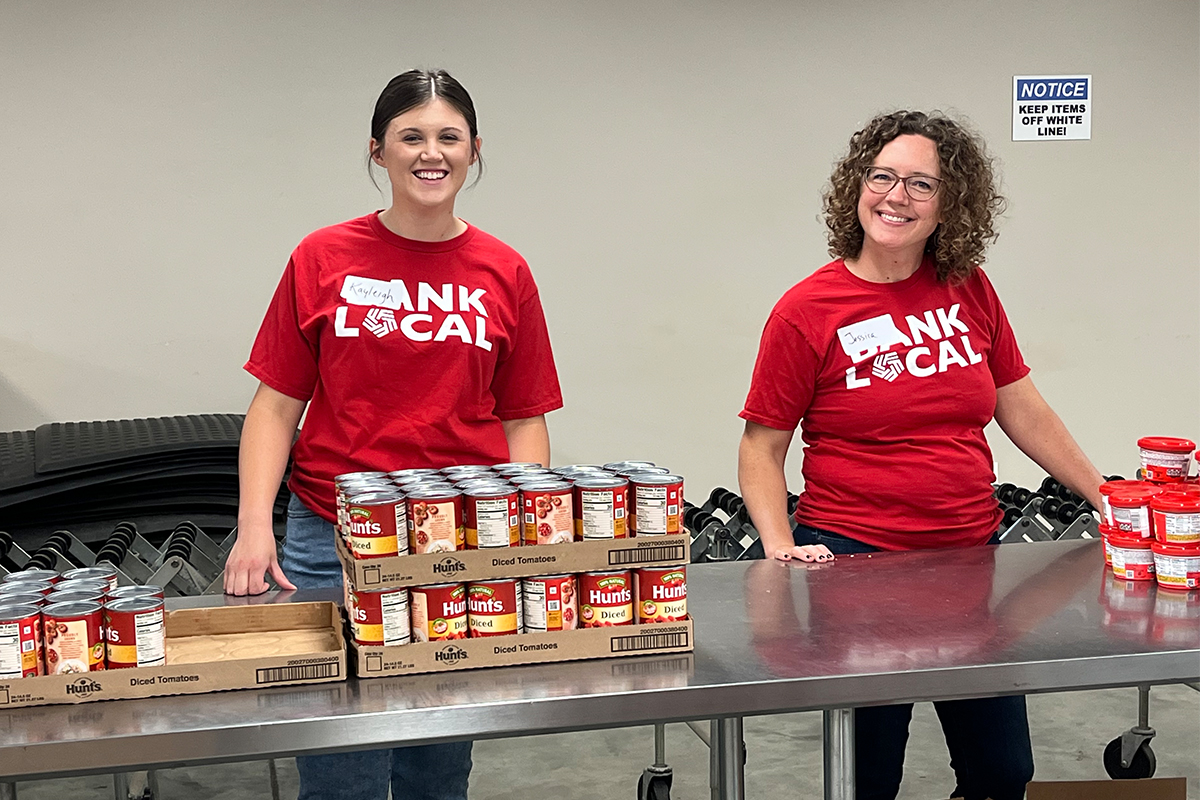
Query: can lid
[[434, 493], [30, 575], [552, 485], [1174, 549], [1128, 540], [100, 571], [22, 599], [376, 498], [24, 587], [1133, 496], [655, 479], [518, 466], [1108, 487], [135, 590], [578, 468], [128, 604], [1183, 502], [347, 476], [531, 477], [80, 584], [72, 609], [613, 466], [75, 596], [601, 482], [404, 473], [1166, 444], [489, 490], [456, 468], [10, 612]]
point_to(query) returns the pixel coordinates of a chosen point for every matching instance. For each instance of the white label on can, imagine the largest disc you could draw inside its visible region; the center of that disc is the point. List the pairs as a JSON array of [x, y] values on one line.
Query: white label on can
[[1174, 570], [151, 639], [1136, 520], [10, 650], [393, 608], [535, 605], [651, 509], [597, 512], [401, 529], [1181, 527], [491, 522]]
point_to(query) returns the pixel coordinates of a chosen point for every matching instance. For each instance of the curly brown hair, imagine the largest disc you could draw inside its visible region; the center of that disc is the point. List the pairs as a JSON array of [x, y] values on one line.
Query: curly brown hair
[[970, 199]]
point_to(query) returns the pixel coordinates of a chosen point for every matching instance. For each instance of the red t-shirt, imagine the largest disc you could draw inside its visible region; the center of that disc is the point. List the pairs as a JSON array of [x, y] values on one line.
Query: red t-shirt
[[410, 353], [894, 383]]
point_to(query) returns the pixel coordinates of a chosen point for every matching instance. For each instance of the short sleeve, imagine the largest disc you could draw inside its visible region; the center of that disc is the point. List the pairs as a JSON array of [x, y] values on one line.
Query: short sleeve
[[1005, 361], [525, 383], [784, 377], [283, 356]]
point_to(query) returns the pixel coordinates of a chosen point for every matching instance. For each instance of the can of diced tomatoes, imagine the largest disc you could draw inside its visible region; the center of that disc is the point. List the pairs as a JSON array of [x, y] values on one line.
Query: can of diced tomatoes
[[494, 608], [20, 641], [43, 588], [491, 516], [76, 596], [135, 630], [80, 585], [23, 599], [41, 575], [143, 590], [547, 512], [381, 617], [73, 636], [600, 505], [605, 599], [439, 612], [661, 594], [99, 572], [435, 520], [550, 603], [655, 504], [376, 525]]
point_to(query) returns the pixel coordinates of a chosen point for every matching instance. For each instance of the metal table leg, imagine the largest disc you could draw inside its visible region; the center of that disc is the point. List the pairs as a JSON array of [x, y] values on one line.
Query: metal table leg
[[839, 753], [727, 759]]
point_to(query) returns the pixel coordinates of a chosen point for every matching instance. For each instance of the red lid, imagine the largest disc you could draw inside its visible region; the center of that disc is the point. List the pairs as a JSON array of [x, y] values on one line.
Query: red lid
[[1128, 540], [1106, 529], [1167, 444], [1108, 487], [1166, 549], [1134, 496], [1179, 502]]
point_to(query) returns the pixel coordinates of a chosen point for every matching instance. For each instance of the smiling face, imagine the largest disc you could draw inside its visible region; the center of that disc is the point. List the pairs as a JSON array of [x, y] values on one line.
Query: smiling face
[[427, 152], [893, 222]]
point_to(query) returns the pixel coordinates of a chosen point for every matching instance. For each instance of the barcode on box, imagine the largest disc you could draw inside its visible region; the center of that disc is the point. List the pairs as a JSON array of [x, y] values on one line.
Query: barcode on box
[[647, 555], [304, 672], [648, 641], [657, 666]]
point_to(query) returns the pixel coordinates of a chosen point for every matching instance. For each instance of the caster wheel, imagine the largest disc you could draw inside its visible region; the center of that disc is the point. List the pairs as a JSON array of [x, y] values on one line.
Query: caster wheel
[[658, 787], [1142, 765]]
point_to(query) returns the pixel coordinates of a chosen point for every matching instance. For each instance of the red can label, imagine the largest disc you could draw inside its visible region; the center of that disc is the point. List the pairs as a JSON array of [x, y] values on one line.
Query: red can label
[[656, 508], [492, 521], [439, 612], [600, 512], [550, 603], [21, 642], [436, 526], [661, 594], [548, 515], [376, 529], [74, 641], [494, 608], [380, 618], [135, 632], [605, 599]]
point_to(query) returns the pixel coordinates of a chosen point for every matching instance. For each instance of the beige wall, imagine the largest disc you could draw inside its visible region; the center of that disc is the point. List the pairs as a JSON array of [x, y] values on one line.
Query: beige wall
[[659, 164]]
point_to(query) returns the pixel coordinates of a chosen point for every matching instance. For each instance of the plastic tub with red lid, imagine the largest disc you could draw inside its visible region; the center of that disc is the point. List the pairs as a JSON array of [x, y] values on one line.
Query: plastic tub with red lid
[[1175, 518], [1131, 509], [1176, 566], [1107, 488], [1132, 558], [1105, 531], [1166, 459]]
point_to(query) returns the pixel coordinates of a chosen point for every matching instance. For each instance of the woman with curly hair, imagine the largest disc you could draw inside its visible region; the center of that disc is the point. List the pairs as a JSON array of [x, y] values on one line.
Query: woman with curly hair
[[894, 356]]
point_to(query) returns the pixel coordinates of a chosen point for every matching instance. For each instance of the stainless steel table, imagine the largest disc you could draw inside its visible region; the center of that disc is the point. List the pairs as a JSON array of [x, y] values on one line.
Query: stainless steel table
[[770, 638]]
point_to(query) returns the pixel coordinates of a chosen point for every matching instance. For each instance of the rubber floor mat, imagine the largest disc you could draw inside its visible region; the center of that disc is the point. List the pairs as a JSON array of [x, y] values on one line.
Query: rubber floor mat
[[68, 445]]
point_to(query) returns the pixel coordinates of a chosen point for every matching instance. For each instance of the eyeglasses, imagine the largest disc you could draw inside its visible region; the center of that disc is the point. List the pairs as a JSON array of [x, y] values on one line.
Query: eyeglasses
[[880, 180]]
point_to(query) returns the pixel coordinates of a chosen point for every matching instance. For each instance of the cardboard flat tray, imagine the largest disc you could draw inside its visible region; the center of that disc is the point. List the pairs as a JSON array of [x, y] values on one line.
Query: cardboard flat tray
[[526, 648], [422, 569], [211, 650]]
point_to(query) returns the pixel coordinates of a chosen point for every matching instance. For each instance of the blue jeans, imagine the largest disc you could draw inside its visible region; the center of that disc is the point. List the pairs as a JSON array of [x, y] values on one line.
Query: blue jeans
[[425, 772], [988, 738]]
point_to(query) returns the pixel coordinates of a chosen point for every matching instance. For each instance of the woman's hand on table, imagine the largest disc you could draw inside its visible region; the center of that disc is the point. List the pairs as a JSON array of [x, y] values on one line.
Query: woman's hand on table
[[251, 559], [809, 553]]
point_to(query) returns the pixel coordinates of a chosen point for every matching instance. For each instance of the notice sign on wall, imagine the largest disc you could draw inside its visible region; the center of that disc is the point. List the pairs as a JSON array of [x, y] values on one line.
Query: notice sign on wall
[[1050, 107]]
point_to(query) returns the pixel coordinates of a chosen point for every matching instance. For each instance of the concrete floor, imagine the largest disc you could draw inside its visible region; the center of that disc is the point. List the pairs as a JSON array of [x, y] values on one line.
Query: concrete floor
[[784, 756]]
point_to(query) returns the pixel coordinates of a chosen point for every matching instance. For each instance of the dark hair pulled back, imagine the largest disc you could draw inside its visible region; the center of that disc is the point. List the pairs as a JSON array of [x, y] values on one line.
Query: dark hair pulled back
[[415, 88]]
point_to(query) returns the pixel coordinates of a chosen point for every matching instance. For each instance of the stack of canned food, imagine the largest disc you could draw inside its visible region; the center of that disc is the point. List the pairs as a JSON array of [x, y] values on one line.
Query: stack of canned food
[[386, 617], [469, 507], [1151, 527], [78, 621]]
